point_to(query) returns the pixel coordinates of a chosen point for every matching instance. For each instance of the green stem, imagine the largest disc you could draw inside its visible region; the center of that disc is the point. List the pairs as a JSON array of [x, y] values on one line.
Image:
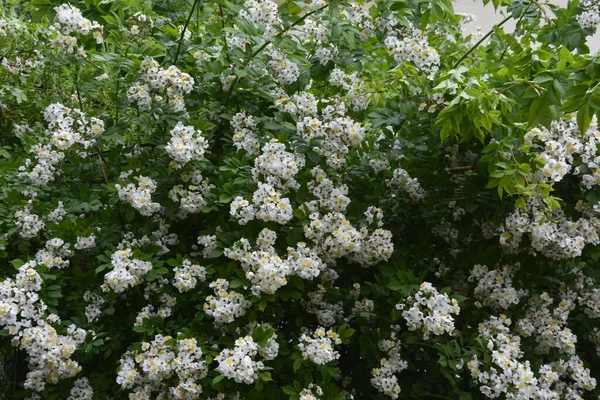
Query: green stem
[[77, 86], [91, 63], [118, 89], [498, 25], [183, 31], [224, 33]]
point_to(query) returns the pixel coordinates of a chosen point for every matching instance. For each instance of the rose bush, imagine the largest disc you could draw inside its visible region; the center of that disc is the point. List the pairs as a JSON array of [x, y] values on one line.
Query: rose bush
[[305, 200]]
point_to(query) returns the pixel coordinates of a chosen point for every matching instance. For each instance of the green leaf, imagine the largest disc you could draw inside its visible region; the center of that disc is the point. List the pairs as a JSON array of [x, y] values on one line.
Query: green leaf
[[225, 198], [297, 364], [347, 333], [236, 283], [288, 390], [101, 268], [584, 118], [265, 376], [17, 263], [314, 157], [299, 213], [262, 305], [217, 379]]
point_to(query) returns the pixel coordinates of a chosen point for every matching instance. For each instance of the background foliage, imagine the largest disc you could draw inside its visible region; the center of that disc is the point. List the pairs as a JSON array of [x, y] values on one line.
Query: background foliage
[[448, 137]]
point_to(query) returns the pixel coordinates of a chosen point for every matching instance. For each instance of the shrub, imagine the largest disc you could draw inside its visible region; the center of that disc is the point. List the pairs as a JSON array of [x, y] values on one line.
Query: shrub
[[313, 200]]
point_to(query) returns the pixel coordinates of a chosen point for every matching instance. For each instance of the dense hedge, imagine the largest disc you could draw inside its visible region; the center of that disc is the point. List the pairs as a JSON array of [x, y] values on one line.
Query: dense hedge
[[313, 200]]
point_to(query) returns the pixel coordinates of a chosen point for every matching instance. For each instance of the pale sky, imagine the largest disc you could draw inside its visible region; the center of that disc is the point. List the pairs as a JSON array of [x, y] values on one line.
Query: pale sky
[[487, 17]]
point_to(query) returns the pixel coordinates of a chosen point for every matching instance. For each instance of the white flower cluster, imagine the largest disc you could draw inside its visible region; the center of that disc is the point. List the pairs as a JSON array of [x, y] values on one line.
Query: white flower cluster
[[267, 205], [68, 19], [225, 306], [556, 237], [304, 262], [564, 148], [20, 66], [337, 77], [192, 199], [22, 313], [332, 134], [277, 166], [186, 144], [384, 377], [415, 49], [299, 105], [283, 70], [495, 288], [146, 312], [160, 237], [318, 346], [364, 308], [327, 313], [49, 354], [43, 171], [242, 210], [334, 237], [29, 223], [594, 337], [446, 231], [245, 133], [508, 375], [81, 390], [209, 242], [186, 277], [165, 310], [271, 348], [514, 379], [127, 271], [140, 24], [314, 30], [360, 15], [374, 214], [548, 327], [559, 145], [164, 368], [93, 308], [263, 13], [57, 214], [11, 27], [590, 16], [140, 196], [379, 164], [266, 270], [238, 363], [171, 81], [329, 197], [308, 394], [54, 254], [66, 127], [589, 295], [326, 53], [85, 242], [430, 312], [401, 181]]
